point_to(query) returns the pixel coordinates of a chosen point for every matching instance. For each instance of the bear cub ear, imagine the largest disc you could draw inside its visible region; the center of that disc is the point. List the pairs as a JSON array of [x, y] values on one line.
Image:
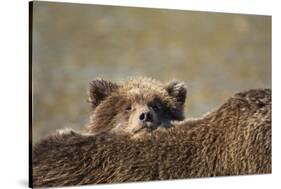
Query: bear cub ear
[[99, 90], [177, 90]]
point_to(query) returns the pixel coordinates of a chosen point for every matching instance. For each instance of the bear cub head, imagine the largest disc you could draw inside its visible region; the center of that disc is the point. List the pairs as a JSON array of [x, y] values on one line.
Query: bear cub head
[[136, 106]]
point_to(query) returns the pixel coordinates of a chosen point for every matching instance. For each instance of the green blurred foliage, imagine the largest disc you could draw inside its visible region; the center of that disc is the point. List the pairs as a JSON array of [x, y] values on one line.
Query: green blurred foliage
[[215, 54]]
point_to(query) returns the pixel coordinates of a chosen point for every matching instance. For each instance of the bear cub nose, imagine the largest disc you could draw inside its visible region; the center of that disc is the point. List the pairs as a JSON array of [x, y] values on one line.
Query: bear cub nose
[[146, 117]]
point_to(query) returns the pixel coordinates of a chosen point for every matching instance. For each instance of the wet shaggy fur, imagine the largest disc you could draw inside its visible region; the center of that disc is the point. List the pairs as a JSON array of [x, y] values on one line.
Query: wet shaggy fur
[[234, 139]]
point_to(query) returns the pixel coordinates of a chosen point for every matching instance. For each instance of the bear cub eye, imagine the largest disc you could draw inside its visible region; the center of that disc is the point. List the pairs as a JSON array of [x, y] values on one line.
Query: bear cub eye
[[128, 108], [156, 107]]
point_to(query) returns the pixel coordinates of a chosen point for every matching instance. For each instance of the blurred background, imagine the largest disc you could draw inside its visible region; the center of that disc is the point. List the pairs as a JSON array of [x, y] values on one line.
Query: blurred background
[[215, 54]]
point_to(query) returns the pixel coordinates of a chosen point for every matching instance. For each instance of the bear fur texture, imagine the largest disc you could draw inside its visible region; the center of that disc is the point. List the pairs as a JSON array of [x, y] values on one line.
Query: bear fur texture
[[135, 107], [234, 139]]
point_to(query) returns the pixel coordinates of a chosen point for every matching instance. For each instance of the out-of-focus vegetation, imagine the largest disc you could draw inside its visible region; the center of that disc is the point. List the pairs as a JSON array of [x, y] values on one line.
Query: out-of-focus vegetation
[[215, 54]]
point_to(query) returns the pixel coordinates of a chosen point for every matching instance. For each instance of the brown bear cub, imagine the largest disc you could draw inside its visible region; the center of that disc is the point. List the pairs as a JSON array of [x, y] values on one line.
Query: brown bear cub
[[135, 107]]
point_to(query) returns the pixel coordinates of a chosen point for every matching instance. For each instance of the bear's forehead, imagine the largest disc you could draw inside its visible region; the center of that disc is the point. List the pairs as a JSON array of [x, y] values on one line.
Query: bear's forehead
[[147, 97], [144, 95], [145, 91]]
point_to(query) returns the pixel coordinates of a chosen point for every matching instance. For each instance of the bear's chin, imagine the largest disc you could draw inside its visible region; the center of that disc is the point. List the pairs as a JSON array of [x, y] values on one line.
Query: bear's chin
[[141, 134]]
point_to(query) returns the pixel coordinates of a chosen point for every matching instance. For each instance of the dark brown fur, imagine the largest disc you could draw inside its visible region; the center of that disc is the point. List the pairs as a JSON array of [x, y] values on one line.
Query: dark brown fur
[[235, 139]]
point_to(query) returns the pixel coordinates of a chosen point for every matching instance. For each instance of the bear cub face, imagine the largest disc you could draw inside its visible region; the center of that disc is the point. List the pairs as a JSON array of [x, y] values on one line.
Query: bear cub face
[[136, 106]]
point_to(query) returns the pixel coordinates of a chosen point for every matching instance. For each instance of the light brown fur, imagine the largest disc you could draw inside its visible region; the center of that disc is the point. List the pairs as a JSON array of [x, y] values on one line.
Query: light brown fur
[[235, 139], [136, 106]]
